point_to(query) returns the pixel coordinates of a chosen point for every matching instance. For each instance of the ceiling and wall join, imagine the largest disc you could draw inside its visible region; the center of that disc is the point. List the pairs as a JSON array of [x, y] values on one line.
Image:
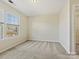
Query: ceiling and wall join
[[46, 7], [38, 7]]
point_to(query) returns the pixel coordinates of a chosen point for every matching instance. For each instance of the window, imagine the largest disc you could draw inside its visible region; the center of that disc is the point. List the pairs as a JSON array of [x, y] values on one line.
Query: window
[[12, 30], [1, 31], [12, 19], [12, 25], [9, 23], [1, 23]]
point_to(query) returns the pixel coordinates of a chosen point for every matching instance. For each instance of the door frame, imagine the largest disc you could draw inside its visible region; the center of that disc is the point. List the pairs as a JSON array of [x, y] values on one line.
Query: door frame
[[73, 41]]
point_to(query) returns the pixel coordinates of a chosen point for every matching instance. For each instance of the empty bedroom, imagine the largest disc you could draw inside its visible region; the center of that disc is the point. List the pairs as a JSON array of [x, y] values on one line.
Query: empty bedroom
[[39, 29]]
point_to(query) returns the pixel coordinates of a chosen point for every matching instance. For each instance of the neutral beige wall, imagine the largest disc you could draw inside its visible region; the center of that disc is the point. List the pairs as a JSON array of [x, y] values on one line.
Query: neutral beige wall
[[44, 28], [64, 27], [10, 42]]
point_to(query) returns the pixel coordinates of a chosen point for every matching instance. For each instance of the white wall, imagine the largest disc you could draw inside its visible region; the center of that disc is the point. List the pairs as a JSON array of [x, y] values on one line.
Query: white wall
[[11, 42], [44, 28], [64, 27]]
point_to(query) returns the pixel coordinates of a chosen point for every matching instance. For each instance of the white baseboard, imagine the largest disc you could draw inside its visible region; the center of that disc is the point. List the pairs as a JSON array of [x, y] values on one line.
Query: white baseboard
[[68, 52], [44, 40]]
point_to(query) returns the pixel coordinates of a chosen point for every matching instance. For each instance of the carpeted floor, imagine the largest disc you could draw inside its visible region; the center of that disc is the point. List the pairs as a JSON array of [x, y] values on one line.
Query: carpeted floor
[[37, 50]]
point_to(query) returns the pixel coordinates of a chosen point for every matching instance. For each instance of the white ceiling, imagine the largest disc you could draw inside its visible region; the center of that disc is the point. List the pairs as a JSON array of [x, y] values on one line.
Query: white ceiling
[[41, 7]]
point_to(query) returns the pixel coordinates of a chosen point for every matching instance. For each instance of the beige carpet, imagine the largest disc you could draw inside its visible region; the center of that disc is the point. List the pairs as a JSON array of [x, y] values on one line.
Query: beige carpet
[[37, 50]]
